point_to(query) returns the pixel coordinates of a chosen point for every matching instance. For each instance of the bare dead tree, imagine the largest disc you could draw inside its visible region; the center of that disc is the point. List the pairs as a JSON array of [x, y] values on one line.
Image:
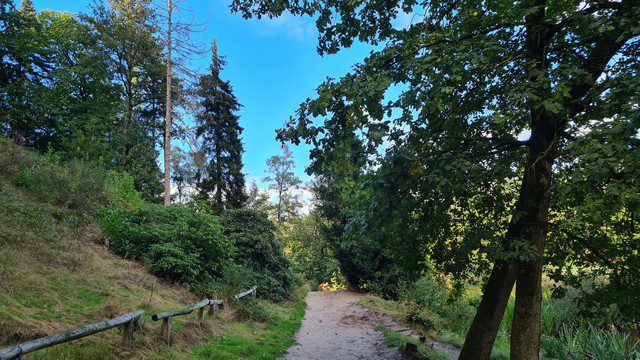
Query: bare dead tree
[[176, 30]]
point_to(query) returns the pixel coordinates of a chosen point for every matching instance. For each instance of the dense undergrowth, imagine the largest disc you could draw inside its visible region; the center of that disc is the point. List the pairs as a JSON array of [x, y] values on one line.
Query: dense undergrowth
[[568, 332], [58, 272]]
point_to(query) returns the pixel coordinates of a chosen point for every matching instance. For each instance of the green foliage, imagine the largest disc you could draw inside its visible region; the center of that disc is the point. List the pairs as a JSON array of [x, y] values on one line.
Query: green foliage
[[121, 191], [251, 308], [588, 342], [310, 253], [73, 184], [433, 305], [555, 312], [258, 250], [221, 180], [174, 242]]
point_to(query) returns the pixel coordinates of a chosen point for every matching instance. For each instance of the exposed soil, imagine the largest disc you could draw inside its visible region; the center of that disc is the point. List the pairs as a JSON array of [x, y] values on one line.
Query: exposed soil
[[334, 327]]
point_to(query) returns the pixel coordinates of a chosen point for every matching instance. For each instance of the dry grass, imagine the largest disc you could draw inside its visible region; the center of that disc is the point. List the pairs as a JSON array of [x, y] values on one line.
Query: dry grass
[[57, 273]]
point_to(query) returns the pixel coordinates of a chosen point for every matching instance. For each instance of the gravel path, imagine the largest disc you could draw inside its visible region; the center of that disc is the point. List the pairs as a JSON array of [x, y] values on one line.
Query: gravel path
[[336, 328]]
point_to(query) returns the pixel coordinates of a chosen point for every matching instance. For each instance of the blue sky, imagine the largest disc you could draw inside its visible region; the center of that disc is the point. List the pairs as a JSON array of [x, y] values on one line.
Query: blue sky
[[272, 64]]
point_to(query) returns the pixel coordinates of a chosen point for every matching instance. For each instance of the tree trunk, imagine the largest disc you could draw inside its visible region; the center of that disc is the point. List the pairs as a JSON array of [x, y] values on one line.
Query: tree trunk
[[167, 118], [525, 331], [485, 326], [528, 225]]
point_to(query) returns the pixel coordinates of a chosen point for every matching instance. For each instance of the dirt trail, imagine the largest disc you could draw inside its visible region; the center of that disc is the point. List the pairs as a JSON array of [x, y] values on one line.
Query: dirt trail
[[336, 328]]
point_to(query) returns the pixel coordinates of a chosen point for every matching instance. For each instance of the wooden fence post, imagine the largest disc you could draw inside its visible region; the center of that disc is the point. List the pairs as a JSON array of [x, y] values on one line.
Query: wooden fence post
[[166, 330], [212, 308], [127, 333], [200, 314], [253, 293]]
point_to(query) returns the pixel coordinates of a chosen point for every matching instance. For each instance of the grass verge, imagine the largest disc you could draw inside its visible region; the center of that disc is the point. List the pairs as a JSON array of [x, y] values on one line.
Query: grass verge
[[399, 340]]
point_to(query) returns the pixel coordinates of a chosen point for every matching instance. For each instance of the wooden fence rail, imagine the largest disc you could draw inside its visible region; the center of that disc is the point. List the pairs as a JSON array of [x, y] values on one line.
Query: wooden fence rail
[[251, 292], [128, 320], [167, 315]]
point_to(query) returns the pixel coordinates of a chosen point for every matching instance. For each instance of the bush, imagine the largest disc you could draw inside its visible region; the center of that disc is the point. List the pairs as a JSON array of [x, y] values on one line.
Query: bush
[[121, 191], [250, 308], [73, 184], [258, 251], [173, 241], [431, 304]]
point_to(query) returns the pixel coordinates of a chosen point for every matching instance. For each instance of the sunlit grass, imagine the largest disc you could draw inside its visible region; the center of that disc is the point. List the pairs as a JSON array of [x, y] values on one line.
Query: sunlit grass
[[248, 341]]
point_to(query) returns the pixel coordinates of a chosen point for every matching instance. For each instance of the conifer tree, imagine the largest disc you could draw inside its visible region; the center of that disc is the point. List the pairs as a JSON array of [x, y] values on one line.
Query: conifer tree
[[283, 181], [221, 181]]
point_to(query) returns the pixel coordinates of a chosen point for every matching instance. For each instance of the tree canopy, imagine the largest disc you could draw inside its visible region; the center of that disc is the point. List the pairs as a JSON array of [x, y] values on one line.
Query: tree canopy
[[473, 120]]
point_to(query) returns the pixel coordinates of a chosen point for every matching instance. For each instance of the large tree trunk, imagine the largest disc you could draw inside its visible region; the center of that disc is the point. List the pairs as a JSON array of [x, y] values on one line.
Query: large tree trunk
[[528, 225], [525, 331], [527, 230]]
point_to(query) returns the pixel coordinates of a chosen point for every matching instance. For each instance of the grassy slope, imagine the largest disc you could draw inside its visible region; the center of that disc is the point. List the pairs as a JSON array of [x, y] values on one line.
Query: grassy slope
[[455, 338], [56, 273]]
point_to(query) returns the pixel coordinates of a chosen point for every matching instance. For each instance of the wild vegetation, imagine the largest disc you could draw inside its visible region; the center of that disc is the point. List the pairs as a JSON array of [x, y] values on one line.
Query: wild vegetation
[[58, 269], [496, 141], [479, 170]]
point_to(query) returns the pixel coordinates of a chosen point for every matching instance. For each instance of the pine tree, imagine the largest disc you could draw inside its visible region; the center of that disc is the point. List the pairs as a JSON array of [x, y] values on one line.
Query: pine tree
[[283, 181], [222, 181]]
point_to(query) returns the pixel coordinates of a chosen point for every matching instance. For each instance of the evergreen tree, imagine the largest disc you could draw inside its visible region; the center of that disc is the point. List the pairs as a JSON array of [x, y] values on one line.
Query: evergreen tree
[[222, 181], [183, 171], [283, 180], [127, 30]]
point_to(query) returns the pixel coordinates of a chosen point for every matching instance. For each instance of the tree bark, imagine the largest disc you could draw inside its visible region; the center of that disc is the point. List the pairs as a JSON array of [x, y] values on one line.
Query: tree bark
[[485, 326], [167, 119]]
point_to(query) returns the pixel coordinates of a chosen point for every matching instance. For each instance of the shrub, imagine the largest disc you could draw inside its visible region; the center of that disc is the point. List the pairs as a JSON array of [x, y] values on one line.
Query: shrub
[[250, 308], [260, 252], [173, 241], [73, 184], [121, 191]]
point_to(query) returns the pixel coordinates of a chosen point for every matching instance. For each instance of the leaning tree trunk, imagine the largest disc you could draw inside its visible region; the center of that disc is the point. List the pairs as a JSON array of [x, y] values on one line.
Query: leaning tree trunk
[[485, 326], [528, 227], [525, 331], [527, 230]]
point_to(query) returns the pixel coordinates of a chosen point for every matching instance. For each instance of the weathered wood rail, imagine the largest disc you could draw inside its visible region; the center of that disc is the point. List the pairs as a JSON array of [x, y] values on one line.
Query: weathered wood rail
[[251, 292], [167, 315], [128, 321]]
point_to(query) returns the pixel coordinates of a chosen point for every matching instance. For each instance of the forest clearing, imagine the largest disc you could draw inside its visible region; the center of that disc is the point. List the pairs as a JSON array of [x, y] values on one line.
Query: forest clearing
[[307, 179]]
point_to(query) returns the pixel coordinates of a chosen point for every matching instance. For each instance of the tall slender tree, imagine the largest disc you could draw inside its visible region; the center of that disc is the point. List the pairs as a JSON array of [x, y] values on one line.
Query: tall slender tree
[[222, 181], [284, 182], [127, 28], [179, 47]]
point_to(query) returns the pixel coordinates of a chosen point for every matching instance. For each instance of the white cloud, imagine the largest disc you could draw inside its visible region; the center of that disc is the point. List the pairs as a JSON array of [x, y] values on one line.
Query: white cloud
[[293, 27]]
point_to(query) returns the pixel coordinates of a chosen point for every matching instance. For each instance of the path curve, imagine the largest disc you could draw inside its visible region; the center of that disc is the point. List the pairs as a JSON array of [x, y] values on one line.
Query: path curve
[[334, 327]]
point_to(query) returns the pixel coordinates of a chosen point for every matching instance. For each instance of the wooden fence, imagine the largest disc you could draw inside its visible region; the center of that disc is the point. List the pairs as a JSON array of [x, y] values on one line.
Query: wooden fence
[[251, 291], [167, 315], [128, 321]]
